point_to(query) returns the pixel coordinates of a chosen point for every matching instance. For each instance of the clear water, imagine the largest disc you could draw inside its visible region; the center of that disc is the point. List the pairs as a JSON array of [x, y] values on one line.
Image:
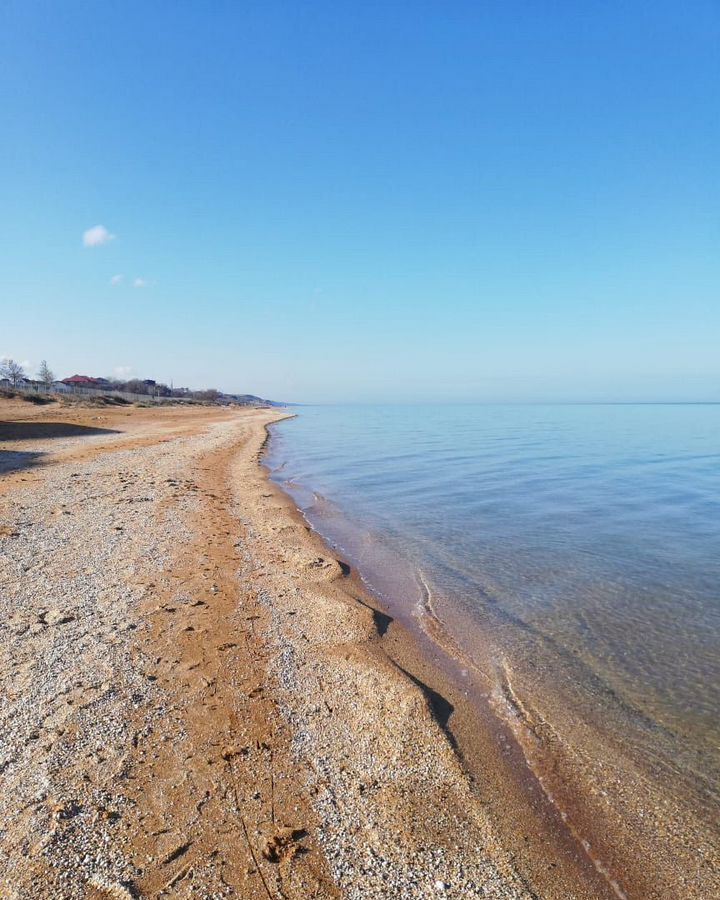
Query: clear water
[[579, 542]]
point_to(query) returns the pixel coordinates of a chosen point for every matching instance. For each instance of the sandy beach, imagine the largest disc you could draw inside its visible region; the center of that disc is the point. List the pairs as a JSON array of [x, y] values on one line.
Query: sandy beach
[[200, 700]]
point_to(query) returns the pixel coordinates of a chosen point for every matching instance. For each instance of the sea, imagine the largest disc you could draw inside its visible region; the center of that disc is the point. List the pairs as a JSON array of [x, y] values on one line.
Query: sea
[[569, 553]]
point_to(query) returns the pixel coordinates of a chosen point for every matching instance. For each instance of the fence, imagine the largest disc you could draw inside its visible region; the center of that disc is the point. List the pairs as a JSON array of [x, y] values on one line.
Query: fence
[[69, 390]]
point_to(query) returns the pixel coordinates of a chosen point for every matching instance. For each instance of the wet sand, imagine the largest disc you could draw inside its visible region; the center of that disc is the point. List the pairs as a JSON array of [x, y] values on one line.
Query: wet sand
[[199, 699]]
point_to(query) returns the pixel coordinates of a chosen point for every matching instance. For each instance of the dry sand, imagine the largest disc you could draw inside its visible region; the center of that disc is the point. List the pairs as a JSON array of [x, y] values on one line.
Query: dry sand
[[199, 700]]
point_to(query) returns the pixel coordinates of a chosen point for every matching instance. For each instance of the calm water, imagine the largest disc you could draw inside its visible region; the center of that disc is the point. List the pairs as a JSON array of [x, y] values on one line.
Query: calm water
[[579, 542]]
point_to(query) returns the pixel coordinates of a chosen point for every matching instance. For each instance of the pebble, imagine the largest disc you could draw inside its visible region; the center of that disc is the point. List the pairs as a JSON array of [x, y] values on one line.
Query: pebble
[[69, 679]]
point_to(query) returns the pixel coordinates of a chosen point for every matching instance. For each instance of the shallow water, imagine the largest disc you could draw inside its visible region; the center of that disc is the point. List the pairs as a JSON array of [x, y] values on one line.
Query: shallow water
[[577, 543]]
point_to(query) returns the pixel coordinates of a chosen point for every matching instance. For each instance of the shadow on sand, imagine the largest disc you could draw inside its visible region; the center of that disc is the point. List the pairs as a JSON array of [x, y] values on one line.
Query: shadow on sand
[[12, 460], [37, 431], [440, 706]]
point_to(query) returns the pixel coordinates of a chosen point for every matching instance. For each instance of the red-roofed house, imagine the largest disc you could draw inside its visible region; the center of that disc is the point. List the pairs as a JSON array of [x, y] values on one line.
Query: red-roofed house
[[81, 381]]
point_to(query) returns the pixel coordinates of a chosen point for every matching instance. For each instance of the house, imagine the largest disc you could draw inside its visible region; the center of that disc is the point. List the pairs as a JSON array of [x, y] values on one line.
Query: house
[[60, 387], [85, 381], [81, 381]]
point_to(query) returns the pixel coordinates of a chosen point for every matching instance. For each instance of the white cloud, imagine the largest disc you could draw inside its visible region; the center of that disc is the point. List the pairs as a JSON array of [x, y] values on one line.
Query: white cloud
[[122, 371], [96, 236], [139, 283], [117, 279]]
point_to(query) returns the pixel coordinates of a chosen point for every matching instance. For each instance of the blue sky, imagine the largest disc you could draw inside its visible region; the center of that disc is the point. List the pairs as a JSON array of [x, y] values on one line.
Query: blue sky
[[353, 201]]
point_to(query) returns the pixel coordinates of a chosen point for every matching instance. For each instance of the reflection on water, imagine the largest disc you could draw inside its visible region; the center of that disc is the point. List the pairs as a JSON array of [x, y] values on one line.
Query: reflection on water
[[581, 543]]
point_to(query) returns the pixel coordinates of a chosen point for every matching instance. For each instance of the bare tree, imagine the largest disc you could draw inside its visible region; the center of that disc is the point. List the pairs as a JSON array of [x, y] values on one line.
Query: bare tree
[[12, 370], [45, 373]]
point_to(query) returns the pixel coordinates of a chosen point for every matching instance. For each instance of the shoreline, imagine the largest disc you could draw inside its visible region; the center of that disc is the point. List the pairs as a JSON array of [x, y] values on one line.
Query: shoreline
[[549, 853], [206, 701], [636, 854], [480, 738]]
